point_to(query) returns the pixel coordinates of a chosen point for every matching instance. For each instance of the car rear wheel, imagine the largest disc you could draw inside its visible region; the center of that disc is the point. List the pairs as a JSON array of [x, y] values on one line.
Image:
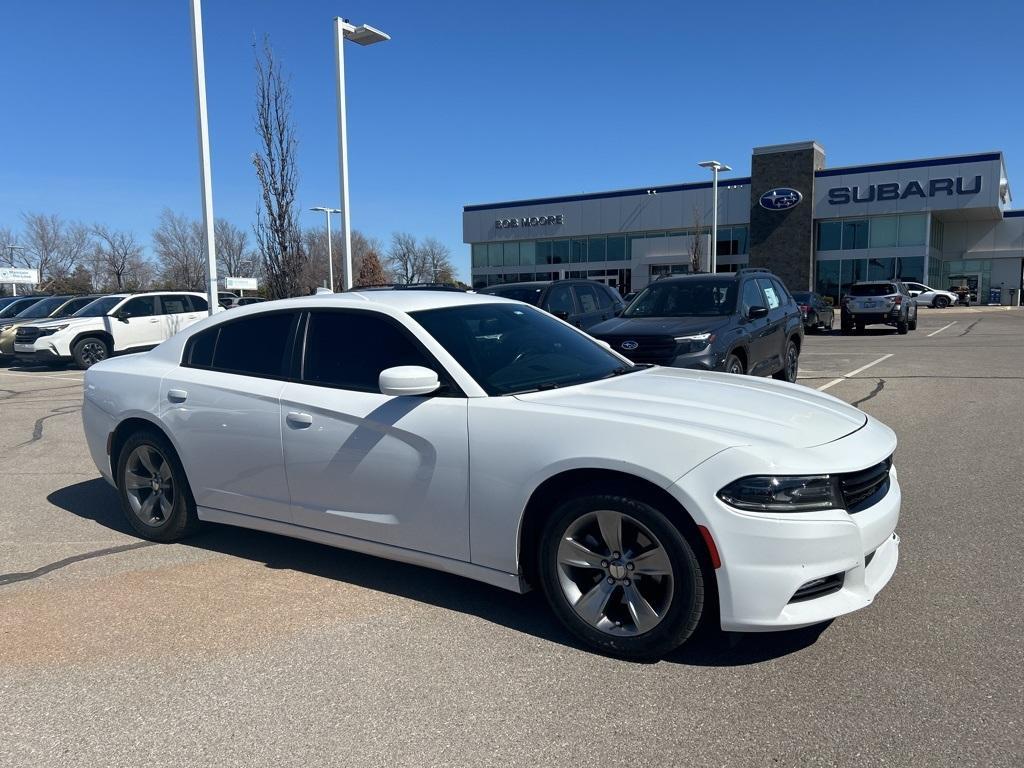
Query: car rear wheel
[[733, 364], [620, 576], [155, 494], [89, 351], [902, 326], [790, 364], [941, 302], [859, 327], [912, 323]]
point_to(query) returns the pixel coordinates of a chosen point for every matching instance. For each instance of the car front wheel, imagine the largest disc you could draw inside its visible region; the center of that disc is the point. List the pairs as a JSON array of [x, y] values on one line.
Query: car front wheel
[[89, 351], [733, 365], [155, 495], [621, 576], [941, 302]]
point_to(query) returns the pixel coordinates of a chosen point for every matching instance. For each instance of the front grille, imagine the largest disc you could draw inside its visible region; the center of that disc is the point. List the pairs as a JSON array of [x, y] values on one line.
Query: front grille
[[862, 489], [26, 335], [660, 350], [819, 588]]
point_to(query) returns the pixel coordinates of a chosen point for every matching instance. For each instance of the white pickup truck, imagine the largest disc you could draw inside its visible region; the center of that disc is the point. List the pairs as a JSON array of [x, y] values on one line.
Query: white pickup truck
[[108, 326], [886, 302]]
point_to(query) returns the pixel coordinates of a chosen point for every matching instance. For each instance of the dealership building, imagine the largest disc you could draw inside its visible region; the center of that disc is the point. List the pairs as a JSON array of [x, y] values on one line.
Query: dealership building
[[943, 221]]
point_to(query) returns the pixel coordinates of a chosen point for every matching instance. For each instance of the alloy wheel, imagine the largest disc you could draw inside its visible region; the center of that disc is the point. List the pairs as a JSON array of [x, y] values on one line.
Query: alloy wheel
[[93, 352], [792, 361], [149, 485], [615, 573]]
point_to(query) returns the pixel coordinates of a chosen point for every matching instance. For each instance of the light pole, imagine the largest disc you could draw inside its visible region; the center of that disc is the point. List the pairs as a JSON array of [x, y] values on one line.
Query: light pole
[[11, 247], [364, 35], [330, 255], [715, 167], [205, 179]]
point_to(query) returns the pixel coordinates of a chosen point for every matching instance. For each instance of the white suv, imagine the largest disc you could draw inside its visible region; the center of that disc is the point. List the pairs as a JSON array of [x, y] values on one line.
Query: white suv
[[931, 297], [108, 326]]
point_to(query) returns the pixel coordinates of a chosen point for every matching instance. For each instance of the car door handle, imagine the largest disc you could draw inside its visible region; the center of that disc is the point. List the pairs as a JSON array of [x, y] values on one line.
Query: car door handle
[[299, 420], [177, 395], [154, 319]]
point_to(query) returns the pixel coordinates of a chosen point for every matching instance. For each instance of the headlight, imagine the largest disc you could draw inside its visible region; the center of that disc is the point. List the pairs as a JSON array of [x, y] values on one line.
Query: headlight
[[694, 343], [767, 493], [51, 330]]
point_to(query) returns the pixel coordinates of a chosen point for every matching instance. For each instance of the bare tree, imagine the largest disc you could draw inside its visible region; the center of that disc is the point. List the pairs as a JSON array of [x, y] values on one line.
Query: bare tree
[[180, 251], [277, 231], [371, 271], [118, 261], [697, 241], [53, 246], [437, 262], [234, 259], [405, 259]]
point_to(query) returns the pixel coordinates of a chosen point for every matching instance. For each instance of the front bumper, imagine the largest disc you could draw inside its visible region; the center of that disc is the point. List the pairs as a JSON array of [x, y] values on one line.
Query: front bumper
[[39, 357], [767, 558]]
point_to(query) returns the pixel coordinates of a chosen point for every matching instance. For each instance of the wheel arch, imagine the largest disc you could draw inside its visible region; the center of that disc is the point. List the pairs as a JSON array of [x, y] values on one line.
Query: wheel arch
[[129, 426], [740, 350], [100, 334], [564, 485]]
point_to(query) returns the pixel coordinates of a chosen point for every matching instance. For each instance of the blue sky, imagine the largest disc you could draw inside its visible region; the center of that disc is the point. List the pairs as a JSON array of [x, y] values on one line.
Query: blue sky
[[479, 101]]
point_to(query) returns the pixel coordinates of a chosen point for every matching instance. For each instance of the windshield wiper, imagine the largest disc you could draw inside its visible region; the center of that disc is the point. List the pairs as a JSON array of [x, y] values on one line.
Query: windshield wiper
[[622, 369]]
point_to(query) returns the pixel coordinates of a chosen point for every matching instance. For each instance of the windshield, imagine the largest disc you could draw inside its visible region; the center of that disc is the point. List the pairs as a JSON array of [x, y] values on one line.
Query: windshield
[[20, 305], [873, 289], [802, 297], [689, 297], [509, 349], [99, 307], [43, 308], [519, 293]]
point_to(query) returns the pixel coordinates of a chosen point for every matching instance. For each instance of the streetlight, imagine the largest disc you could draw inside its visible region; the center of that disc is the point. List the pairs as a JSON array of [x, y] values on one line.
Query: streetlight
[[12, 248], [715, 167], [364, 35], [205, 177], [330, 256]]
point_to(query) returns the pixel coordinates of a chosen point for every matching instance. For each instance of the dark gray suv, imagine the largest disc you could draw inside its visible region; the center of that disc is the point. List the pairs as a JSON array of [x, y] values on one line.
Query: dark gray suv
[[583, 303], [745, 322]]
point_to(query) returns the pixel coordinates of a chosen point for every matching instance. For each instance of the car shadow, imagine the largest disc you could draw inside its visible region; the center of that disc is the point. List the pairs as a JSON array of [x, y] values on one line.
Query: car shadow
[[710, 647]]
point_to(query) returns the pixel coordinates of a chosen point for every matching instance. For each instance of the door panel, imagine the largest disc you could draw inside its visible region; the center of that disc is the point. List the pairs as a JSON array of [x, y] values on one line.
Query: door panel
[[775, 332], [228, 430], [387, 469], [143, 328]]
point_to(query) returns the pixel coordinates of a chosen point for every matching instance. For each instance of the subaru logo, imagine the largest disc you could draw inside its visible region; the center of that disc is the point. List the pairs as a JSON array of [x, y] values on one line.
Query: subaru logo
[[780, 199], [630, 345]]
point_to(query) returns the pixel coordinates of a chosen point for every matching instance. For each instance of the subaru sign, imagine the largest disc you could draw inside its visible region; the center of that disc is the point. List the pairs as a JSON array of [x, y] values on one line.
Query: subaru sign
[[896, 191], [780, 199], [629, 345]]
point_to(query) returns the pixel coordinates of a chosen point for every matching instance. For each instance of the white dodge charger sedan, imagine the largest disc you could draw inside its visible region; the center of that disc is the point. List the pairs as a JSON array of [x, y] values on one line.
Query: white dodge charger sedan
[[486, 438]]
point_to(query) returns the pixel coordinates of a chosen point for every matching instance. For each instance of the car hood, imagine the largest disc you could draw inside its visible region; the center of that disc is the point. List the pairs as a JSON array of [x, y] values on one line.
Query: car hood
[[61, 321], [624, 327], [733, 409]]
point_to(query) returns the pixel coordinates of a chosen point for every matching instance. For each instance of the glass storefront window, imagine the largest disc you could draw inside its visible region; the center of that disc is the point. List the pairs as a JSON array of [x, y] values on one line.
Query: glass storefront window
[[527, 253], [479, 254], [511, 255], [616, 250], [559, 251], [725, 243], [912, 228], [880, 269], [596, 249], [579, 250], [827, 280], [830, 234], [494, 254], [630, 239], [883, 232], [739, 234], [910, 268], [937, 233], [543, 255], [855, 234]]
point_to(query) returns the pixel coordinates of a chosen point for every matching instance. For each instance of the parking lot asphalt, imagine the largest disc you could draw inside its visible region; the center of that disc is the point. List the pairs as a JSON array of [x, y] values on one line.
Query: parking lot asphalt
[[242, 648]]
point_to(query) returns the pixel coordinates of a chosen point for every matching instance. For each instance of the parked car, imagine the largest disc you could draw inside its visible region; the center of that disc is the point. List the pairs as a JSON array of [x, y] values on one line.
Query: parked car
[[224, 298], [109, 326], [5, 300], [740, 322], [931, 297], [885, 302], [583, 303], [51, 307], [241, 301], [818, 314], [17, 305], [657, 497]]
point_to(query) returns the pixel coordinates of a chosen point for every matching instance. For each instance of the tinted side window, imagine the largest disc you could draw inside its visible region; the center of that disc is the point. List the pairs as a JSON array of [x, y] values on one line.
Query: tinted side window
[[784, 294], [770, 292], [349, 350], [560, 300], [254, 346], [199, 353], [140, 306], [197, 303], [173, 305], [605, 299], [752, 296], [587, 298]]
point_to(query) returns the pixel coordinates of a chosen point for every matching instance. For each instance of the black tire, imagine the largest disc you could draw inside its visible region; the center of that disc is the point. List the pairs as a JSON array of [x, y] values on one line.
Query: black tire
[[902, 326], [733, 364], [790, 364], [180, 519], [912, 324], [89, 351], [859, 328], [812, 325], [831, 322], [941, 302], [845, 326], [681, 612]]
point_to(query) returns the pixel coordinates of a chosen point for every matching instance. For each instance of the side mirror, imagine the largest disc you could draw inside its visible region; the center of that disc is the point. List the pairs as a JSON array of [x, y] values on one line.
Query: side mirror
[[561, 315], [755, 312], [407, 380], [619, 311], [123, 315]]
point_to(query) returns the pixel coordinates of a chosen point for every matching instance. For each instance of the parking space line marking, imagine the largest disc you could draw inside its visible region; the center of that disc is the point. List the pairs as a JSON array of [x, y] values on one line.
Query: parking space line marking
[[71, 376], [854, 372], [941, 329]]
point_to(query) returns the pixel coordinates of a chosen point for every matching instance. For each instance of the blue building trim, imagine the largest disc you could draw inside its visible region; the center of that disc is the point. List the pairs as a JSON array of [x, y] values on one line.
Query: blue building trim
[[722, 183], [1012, 214], [908, 164]]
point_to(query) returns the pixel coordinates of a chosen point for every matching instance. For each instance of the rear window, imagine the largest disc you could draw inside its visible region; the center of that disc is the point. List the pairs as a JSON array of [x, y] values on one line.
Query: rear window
[[873, 289], [527, 295]]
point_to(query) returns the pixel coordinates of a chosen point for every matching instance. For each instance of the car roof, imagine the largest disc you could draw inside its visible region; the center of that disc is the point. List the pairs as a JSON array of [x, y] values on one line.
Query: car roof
[[538, 284], [401, 301], [877, 282]]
